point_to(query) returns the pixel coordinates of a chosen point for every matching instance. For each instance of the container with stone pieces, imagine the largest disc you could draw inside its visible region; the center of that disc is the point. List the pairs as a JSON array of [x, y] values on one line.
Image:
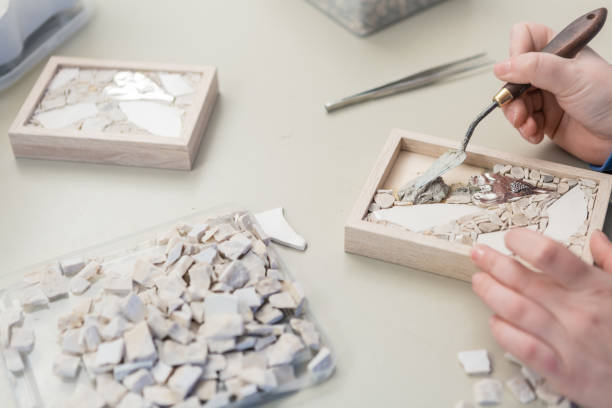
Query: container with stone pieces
[[199, 312]]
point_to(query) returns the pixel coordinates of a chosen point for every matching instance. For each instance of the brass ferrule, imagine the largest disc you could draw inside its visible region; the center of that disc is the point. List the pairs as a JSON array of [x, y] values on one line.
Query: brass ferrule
[[503, 97]]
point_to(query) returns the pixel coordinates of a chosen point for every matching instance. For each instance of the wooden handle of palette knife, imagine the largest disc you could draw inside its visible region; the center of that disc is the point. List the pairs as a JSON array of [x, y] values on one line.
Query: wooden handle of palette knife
[[566, 44]]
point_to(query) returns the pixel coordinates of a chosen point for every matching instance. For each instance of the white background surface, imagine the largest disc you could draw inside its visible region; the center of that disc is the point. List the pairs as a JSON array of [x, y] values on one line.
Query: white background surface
[[269, 143]]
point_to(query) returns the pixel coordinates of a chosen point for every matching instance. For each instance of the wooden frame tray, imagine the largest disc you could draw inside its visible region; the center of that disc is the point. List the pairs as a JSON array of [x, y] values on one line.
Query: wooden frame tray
[[394, 244], [133, 149]]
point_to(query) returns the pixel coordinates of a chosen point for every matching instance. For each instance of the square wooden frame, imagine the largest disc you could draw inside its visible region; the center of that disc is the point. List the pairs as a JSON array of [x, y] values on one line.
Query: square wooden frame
[[115, 148], [408, 248]]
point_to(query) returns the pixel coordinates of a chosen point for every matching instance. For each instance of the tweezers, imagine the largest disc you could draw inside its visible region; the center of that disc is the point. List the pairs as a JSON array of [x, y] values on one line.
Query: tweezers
[[414, 81]]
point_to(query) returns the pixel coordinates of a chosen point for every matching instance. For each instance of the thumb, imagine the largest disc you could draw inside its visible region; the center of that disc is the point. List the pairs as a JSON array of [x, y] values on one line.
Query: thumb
[[545, 71]]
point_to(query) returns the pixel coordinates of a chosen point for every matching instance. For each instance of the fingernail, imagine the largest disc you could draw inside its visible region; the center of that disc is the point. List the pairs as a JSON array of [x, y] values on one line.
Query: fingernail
[[477, 253], [502, 68], [533, 139]]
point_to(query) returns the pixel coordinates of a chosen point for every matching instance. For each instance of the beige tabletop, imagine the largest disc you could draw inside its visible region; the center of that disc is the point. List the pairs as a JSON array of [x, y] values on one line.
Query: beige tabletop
[[270, 143]]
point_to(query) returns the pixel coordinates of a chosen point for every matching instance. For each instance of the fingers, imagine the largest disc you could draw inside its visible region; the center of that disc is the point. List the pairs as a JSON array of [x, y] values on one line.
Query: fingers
[[601, 248], [515, 308], [513, 274], [552, 258], [535, 353], [526, 37], [542, 70], [526, 115]]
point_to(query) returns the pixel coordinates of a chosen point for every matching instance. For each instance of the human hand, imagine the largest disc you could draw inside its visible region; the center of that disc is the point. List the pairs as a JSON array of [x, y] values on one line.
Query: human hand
[[572, 98], [558, 322]]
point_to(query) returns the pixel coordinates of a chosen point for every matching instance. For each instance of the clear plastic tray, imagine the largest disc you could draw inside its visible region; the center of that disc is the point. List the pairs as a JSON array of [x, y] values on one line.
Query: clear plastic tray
[[38, 386]]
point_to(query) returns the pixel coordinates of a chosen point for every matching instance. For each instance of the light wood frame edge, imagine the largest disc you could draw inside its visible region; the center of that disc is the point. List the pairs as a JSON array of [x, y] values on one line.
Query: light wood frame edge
[[408, 248]]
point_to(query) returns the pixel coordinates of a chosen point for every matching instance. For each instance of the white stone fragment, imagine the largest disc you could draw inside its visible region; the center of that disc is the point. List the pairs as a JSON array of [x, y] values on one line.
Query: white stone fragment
[[54, 286], [268, 314], [248, 297], [22, 339], [112, 391], [219, 400], [220, 304], [67, 115], [118, 285], [264, 379], [133, 400], [205, 390], [160, 120], [85, 396], [520, 389], [13, 360], [175, 354], [222, 326], [145, 272], [123, 370], [180, 333], [72, 266], [488, 392], [180, 267], [175, 84], [133, 308], [137, 380], [115, 328], [235, 247], [275, 225], [235, 275], [221, 345], [33, 298], [184, 379], [197, 311], [139, 344], [422, 217], [284, 350], [73, 342], [174, 254], [63, 77], [321, 363], [475, 361], [191, 402], [268, 286], [161, 372], [9, 317], [282, 300], [160, 395], [206, 255], [308, 332], [89, 271], [566, 215], [110, 352], [263, 342], [79, 285], [90, 337], [66, 366]]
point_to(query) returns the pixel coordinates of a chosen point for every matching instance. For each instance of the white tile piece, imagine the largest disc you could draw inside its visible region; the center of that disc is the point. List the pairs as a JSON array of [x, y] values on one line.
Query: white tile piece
[[248, 297], [175, 85], [115, 328], [110, 352], [421, 217], [308, 332], [520, 389], [139, 343], [73, 342], [321, 362], [284, 350], [62, 77], [220, 304], [221, 345], [33, 298], [475, 361], [275, 225], [62, 117], [532, 377], [137, 380], [13, 360], [235, 275], [222, 326], [133, 308], [118, 285], [78, 285], [547, 394], [488, 392], [54, 286], [282, 300], [95, 124], [566, 215], [112, 391], [123, 370], [268, 314], [235, 247], [206, 255], [496, 239], [175, 354], [133, 400], [263, 342], [160, 395], [161, 372], [22, 339], [66, 366], [156, 118], [219, 400], [184, 379], [134, 86], [90, 337]]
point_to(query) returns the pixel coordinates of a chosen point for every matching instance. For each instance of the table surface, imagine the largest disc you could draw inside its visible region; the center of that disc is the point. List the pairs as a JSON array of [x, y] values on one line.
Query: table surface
[[270, 143]]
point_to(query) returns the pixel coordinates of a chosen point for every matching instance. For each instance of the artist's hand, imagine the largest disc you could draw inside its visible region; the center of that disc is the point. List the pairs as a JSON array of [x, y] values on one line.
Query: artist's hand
[[558, 322], [572, 99]]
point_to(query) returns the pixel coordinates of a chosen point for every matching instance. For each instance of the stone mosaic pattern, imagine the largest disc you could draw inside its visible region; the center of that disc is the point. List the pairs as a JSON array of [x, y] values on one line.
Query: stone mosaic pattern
[[114, 101]]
